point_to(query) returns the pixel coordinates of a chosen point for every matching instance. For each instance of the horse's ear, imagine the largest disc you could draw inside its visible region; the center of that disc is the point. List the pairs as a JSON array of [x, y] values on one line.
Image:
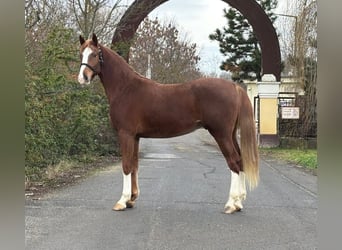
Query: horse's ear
[[94, 38], [82, 41]]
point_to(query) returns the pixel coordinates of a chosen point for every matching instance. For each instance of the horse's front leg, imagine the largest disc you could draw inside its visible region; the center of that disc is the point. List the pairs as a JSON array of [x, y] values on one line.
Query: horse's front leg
[[134, 176], [127, 145], [126, 193]]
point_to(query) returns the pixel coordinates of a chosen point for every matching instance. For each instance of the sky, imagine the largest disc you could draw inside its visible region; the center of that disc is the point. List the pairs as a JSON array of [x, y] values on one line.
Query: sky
[[197, 19]]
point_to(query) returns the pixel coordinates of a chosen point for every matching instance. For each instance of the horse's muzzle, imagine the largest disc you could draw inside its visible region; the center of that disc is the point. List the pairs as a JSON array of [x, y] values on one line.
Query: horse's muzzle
[[83, 79]]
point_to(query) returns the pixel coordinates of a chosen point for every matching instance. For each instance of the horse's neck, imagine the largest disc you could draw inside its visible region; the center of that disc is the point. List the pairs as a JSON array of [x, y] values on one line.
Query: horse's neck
[[116, 75]]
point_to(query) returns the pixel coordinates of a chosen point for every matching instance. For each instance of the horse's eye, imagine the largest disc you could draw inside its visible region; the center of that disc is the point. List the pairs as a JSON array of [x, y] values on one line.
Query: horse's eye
[[94, 55]]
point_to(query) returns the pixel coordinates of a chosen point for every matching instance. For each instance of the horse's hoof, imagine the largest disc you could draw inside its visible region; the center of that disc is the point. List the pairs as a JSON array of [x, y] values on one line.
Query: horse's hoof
[[238, 206], [118, 207], [130, 204], [230, 210]]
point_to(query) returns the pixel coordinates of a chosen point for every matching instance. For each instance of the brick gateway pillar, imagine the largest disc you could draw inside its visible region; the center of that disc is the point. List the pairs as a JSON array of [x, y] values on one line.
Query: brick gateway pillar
[[264, 31]]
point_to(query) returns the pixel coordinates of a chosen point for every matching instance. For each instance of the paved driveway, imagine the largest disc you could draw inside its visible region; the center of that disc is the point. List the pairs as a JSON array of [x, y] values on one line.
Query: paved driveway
[[184, 185]]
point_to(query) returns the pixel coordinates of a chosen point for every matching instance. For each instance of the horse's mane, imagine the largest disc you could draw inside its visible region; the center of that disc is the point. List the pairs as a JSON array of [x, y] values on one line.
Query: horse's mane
[[122, 61]]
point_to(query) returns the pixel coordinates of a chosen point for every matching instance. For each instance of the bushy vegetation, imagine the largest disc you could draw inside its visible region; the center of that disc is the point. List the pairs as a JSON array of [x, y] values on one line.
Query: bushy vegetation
[[62, 120]]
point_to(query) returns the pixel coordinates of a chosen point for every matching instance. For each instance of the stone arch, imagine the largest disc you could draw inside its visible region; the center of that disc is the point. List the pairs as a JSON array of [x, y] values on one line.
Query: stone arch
[[256, 16]]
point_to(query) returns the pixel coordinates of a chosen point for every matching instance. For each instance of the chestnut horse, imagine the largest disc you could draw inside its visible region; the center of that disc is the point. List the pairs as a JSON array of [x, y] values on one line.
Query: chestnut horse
[[143, 108]]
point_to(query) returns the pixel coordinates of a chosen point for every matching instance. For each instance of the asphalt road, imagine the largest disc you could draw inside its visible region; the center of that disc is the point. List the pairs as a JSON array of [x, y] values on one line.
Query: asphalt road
[[184, 185]]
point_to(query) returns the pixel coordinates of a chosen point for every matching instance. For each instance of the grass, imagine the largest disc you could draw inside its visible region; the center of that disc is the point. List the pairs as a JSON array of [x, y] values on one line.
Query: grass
[[306, 158], [38, 181]]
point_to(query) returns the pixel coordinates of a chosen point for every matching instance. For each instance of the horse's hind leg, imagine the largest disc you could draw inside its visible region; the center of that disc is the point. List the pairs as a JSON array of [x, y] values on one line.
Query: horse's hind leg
[[237, 193], [240, 180], [231, 152]]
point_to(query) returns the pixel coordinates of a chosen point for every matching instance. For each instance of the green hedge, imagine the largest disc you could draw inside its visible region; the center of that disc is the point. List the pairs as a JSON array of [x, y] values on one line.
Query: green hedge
[[62, 120]]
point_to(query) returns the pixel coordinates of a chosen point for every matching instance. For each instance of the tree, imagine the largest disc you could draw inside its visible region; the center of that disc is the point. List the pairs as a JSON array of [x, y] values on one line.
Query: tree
[[173, 58], [62, 121], [239, 44], [96, 16], [304, 60], [41, 16]]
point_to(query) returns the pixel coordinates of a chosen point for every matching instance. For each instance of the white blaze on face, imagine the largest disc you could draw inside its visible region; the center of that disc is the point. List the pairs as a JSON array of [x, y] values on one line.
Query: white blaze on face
[[85, 55]]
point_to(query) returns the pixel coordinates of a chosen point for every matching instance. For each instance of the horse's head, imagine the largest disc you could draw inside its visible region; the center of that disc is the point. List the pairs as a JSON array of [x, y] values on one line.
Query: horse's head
[[91, 59]]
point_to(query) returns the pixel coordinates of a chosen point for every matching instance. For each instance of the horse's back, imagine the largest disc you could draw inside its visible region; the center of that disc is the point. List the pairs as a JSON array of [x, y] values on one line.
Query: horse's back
[[213, 91]]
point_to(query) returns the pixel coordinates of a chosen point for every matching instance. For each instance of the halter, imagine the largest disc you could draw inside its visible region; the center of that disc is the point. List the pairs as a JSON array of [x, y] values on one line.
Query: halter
[[100, 60]]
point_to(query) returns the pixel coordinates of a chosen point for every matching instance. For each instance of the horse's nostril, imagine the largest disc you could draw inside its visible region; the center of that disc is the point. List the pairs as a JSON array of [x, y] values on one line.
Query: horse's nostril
[[85, 77]]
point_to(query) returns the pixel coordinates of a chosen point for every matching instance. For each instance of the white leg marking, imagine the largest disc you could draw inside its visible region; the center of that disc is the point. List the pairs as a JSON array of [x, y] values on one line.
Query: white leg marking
[[137, 180], [243, 191], [234, 192], [238, 199], [85, 56], [126, 189]]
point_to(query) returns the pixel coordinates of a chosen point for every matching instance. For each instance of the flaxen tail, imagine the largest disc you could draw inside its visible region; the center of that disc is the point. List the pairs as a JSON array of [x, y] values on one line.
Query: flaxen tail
[[248, 140]]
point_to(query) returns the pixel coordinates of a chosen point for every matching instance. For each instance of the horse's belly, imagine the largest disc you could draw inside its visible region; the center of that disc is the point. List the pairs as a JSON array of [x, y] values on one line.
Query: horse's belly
[[171, 129]]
